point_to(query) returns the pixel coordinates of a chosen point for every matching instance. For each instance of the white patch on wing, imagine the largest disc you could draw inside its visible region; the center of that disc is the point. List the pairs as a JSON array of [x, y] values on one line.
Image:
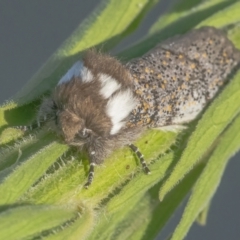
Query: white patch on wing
[[77, 70], [109, 85], [86, 74], [74, 71], [119, 107]]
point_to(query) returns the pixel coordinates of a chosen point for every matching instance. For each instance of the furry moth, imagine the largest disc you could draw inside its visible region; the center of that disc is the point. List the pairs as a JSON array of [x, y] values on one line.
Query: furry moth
[[101, 104]]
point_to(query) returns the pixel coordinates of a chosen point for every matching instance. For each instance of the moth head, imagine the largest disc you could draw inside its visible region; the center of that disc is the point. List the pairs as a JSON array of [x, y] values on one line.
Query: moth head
[[73, 128]]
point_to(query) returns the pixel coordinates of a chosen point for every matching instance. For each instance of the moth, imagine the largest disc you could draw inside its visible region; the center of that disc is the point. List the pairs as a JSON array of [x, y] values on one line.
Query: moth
[[101, 104]]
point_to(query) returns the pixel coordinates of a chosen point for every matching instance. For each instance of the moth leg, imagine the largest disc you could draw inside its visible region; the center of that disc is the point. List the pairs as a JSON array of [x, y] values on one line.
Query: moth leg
[[37, 124], [24, 128], [141, 158], [90, 175]]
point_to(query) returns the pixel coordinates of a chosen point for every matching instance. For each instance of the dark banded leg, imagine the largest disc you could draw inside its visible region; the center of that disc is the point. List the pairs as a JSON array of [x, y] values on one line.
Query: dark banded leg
[[24, 128], [31, 127], [141, 158], [90, 175]]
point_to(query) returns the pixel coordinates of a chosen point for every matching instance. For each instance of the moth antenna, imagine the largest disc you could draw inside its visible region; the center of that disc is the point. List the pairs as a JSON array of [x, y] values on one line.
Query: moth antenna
[[90, 176], [141, 158], [35, 125]]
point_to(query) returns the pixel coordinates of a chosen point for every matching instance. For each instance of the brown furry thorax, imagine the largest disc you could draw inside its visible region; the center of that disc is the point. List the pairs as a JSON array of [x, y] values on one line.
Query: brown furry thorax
[[79, 109]]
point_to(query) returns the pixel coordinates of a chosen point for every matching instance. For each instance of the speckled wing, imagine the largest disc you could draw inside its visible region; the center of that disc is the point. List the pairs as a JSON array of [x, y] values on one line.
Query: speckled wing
[[214, 52], [174, 81]]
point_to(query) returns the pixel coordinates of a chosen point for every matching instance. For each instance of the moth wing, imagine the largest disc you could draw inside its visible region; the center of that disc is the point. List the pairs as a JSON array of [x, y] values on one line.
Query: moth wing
[[209, 47], [74, 71], [78, 70], [175, 79]]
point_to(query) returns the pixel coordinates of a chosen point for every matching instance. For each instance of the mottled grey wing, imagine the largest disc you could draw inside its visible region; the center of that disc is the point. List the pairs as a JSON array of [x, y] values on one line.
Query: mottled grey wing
[[211, 48], [174, 81]]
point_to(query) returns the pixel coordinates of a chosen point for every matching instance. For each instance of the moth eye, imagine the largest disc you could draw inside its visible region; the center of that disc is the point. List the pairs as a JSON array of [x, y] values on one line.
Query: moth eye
[[54, 105], [56, 119], [84, 133]]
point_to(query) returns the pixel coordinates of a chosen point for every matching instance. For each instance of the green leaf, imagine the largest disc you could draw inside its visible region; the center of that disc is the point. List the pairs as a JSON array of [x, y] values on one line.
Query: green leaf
[[138, 214], [217, 117], [19, 222], [30, 169], [184, 10], [79, 229], [68, 181], [163, 211], [210, 179], [202, 216], [224, 17], [121, 209], [182, 22]]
